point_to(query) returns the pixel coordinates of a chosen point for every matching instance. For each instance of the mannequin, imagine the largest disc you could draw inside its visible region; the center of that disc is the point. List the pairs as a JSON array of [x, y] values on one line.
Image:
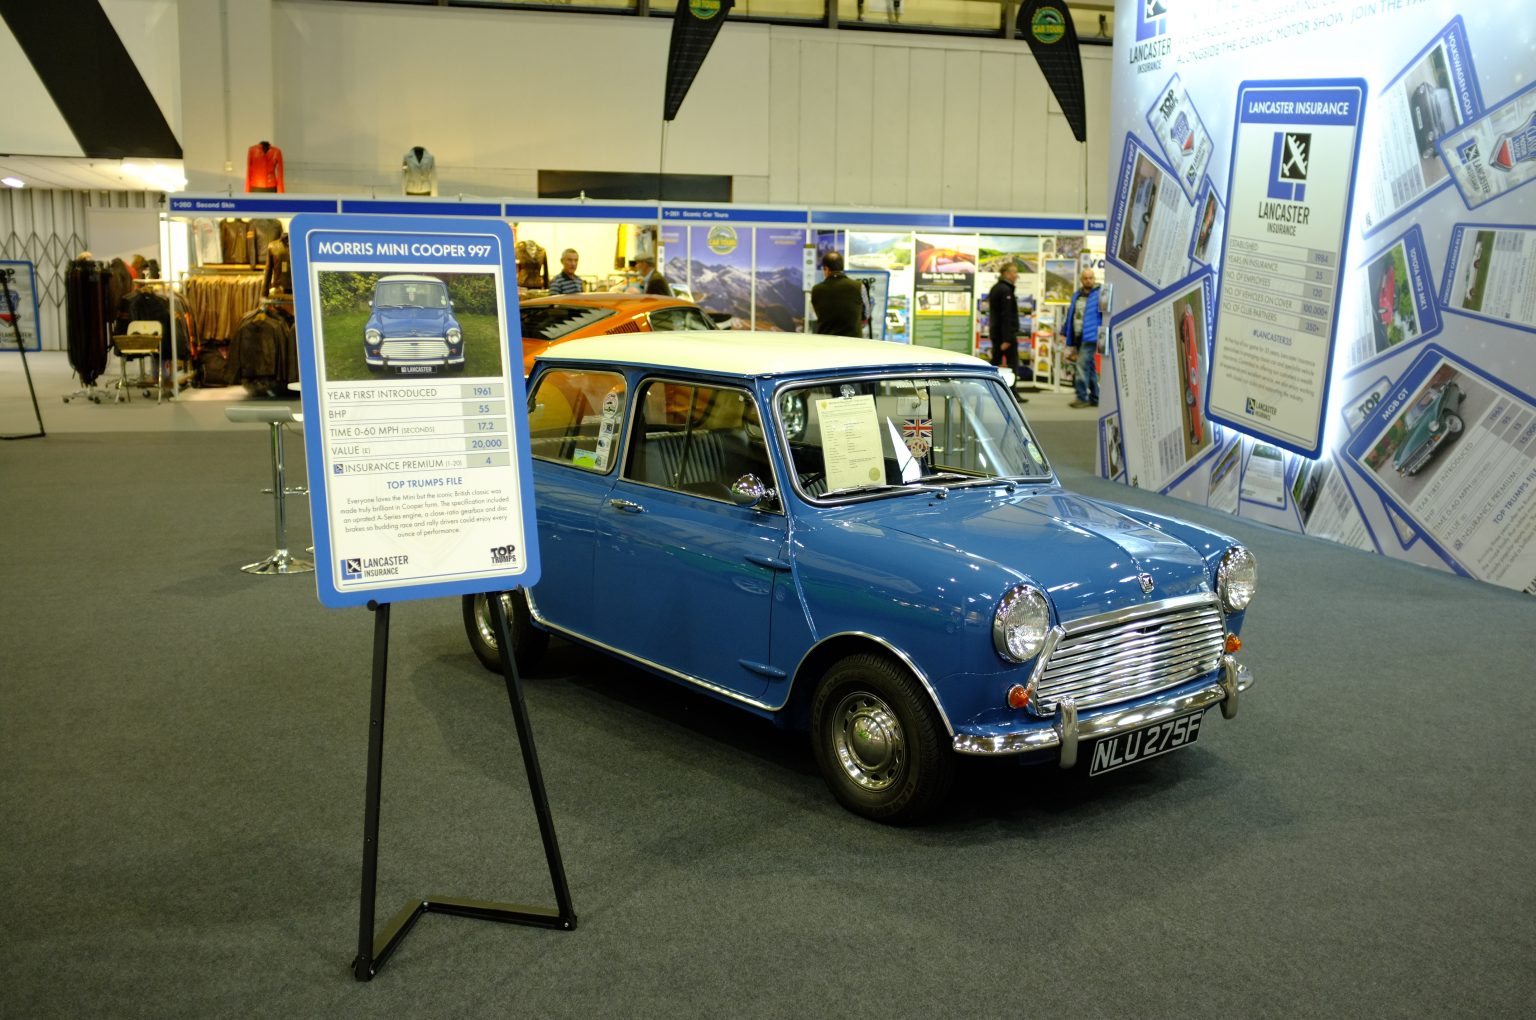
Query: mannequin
[[418, 171], [264, 167]]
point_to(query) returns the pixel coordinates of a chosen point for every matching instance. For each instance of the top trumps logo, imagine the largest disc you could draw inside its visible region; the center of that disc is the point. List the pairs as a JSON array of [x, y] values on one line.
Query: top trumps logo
[[1288, 165]]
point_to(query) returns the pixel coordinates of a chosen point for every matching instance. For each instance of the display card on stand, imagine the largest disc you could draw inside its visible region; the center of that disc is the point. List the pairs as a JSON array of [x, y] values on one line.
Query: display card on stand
[[416, 429]]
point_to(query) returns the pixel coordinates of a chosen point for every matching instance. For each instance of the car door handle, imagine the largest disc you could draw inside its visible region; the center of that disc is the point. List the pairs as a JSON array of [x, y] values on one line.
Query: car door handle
[[628, 506]]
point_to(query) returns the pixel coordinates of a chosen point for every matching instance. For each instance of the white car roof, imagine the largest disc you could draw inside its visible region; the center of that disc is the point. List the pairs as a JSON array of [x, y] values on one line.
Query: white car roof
[[409, 278], [740, 352]]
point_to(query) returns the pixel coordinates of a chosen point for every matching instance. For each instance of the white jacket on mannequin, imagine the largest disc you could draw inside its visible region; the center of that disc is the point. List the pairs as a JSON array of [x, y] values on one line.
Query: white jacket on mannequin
[[419, 171]]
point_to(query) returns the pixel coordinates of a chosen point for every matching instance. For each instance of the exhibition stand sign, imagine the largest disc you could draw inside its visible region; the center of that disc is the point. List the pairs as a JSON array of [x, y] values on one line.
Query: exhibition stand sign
[[420, 478], [18, 307], [1295, 145], [417, 430]]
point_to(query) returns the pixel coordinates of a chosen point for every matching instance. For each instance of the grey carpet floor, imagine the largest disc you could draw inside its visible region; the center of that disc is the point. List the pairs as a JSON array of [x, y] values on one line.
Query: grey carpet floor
[[182, 752]]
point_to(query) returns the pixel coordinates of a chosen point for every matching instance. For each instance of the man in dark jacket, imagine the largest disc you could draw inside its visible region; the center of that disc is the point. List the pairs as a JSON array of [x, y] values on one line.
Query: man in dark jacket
[[1003, 317], [838, 300], [651, 281]]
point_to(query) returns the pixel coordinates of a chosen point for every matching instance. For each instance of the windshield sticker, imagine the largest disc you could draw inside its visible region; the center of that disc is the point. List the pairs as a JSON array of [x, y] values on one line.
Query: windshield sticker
[[850, 440], [917, 433]]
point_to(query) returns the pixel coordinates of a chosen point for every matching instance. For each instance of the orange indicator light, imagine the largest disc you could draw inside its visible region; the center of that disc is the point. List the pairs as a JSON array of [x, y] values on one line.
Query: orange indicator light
[[1018, 696], [1234, 643]]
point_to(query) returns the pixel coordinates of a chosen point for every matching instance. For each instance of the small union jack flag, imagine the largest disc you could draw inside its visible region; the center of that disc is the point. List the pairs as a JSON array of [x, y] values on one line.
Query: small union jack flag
[[917, 433]]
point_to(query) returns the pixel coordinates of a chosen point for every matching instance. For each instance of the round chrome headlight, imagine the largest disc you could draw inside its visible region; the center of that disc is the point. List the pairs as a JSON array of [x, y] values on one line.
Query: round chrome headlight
[[453, 335], [1237, 578], [1019, 627], [372, 337]]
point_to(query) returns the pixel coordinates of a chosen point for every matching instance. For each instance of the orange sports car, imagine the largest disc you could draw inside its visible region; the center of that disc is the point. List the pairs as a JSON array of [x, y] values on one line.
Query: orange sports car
[[559, 317]]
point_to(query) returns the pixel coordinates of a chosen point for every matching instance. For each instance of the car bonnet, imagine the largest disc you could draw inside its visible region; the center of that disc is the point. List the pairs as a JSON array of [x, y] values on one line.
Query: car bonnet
[[425, 320], [1090, 557]]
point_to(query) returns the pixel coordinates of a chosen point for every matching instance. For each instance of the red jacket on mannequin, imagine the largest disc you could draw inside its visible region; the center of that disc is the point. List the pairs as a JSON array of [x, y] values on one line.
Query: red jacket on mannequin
[[264, 167]]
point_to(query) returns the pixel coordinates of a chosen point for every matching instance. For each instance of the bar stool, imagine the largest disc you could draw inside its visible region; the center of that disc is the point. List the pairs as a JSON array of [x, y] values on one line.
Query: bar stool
[[275, 417]]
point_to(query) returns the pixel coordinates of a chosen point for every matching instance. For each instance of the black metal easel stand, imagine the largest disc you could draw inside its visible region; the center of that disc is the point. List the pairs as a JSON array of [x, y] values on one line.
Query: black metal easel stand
[[373, 952], [21, 345]]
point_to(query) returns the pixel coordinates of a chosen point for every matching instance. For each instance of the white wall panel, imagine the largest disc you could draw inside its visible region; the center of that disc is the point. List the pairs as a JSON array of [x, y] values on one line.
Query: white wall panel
[[893, 138], [784, 84], [855, 123], [995, 166], [796, 115], [961, 88], [925, 162], [149, 32], [1030, 152], [818, 122]]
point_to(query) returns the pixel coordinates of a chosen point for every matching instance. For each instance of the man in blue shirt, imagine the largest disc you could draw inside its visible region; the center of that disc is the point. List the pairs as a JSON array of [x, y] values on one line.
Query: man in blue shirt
[[567, 282], [1085, 319]]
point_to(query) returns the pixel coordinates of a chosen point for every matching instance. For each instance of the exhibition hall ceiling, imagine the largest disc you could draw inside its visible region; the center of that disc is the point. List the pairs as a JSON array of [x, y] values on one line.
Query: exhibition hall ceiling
[[1094, 21], [88, 174]]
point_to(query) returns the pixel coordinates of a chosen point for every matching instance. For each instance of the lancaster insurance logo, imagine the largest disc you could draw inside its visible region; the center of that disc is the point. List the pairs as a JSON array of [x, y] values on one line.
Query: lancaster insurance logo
[[1288, 165], [1259, 409], [355, 568], [1152, 42], [1151, 19]]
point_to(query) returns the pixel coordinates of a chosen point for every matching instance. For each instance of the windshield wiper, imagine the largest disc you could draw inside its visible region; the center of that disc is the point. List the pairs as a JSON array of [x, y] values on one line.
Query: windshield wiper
[[859, 490]]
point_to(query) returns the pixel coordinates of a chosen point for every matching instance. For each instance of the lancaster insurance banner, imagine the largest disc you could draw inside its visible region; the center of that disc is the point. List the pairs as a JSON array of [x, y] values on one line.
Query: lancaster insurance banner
[[1324, 253]]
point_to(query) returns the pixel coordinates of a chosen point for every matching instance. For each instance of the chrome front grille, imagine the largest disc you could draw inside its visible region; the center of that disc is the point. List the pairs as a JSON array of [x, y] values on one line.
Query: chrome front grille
[[1123, 655], [414, 350]]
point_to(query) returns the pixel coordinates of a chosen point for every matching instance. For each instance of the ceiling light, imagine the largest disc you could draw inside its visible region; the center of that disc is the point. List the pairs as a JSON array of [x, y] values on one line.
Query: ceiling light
[[13, 182]]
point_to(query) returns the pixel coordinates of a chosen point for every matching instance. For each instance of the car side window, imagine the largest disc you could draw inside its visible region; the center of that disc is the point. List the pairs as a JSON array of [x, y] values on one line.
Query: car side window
[[680, 319], [697, 439], [575, 416]]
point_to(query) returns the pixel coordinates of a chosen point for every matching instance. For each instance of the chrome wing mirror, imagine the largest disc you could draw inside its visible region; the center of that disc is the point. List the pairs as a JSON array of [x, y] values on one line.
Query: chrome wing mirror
[[749, 491]]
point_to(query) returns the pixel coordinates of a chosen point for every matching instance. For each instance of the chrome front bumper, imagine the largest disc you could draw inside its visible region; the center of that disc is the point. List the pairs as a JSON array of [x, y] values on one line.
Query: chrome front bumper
[[1065, 732]]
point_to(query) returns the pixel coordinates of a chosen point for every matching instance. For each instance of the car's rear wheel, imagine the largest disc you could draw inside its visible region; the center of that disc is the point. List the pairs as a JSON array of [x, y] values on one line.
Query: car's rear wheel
[[879, 740], [528, 641]]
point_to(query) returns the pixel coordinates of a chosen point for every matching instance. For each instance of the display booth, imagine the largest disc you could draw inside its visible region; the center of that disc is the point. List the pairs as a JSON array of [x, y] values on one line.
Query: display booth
[[926, 274]]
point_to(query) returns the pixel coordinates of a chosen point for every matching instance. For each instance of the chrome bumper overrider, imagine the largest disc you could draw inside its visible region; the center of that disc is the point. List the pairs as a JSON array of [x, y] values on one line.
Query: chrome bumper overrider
[[1066, 731]]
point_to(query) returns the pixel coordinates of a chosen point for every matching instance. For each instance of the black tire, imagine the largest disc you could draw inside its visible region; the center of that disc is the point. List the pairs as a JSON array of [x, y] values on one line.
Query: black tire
[[1452, 424], [899, 767], [528, 641]]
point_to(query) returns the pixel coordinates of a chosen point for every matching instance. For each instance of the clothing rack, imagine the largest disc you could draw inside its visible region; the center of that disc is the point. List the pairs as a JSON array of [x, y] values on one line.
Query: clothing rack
[[219, 300]]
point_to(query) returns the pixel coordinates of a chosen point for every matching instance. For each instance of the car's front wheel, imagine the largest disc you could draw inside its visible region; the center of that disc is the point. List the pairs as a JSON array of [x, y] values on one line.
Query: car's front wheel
[[879, 740], [1453, 423], [528, 641]]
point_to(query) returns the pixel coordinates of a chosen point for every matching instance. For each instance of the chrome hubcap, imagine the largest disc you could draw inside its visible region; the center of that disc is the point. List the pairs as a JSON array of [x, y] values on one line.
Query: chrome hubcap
[[483, 621], [868, 741]]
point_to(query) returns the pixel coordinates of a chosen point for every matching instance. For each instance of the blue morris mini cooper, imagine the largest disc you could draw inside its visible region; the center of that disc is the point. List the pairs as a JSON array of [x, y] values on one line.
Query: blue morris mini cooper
[[864, 540], [411, 328]]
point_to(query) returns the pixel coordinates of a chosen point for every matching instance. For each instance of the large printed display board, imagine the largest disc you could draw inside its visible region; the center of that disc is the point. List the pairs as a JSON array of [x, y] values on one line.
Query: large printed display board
[[416, 429], [1294, 148], [1326, 287]]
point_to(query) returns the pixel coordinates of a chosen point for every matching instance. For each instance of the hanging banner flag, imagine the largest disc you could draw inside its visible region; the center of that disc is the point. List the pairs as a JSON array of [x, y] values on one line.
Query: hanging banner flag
[[694, 28], [1048, 28]]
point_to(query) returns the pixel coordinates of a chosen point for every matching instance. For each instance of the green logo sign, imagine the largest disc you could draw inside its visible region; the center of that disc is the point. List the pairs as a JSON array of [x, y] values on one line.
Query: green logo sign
[[704, 9], [1048, 25], [721, 240]]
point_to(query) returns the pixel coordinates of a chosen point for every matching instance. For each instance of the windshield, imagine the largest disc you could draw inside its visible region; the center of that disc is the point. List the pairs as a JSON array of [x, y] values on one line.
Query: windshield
[[411, 293], [906, 433]]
